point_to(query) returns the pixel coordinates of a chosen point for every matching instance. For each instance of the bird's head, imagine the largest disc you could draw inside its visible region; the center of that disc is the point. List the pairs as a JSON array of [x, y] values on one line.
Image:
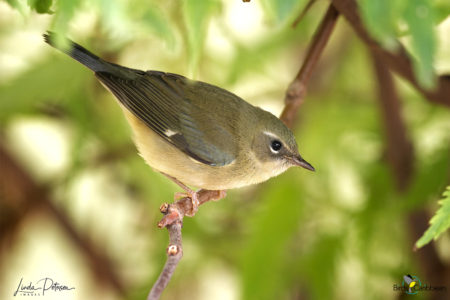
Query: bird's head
[[274, 144]]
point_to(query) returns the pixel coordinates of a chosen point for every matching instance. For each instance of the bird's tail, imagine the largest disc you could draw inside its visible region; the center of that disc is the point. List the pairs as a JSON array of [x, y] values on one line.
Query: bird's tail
[[80, 54]]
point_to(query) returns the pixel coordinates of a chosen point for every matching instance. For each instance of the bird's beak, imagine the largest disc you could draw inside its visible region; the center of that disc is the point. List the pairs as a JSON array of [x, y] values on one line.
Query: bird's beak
[[299, 161]]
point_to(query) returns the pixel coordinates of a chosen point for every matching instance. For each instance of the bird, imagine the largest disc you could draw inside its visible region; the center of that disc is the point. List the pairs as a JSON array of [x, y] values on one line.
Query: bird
[[197, 134]]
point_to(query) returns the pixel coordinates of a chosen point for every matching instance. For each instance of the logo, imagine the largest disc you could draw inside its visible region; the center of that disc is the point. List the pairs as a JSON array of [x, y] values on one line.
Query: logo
[[412, 285], [40, 287]]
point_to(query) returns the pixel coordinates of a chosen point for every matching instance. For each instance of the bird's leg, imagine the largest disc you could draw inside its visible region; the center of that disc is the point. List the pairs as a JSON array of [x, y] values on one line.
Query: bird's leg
[[189, 193], [201, 196], [176, 211], [197, 197]]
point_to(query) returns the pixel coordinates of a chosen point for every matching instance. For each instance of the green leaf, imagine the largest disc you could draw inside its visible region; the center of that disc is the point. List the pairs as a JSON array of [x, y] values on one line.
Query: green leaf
[[41, 6], [440, 222], [64, 13], [196, 16], [383, 19], [419, 17], [380, 17]]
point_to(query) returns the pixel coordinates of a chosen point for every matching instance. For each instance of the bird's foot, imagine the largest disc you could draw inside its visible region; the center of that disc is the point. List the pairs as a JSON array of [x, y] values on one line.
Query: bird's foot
[[176, 211], [194, 196], [220, 195]]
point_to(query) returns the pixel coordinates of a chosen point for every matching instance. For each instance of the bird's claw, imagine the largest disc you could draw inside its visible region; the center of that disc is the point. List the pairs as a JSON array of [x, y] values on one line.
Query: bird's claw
[[193, 195]]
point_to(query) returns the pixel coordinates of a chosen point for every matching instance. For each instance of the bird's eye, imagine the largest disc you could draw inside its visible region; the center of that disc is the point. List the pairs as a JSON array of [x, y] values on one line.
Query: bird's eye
[[275, 146]]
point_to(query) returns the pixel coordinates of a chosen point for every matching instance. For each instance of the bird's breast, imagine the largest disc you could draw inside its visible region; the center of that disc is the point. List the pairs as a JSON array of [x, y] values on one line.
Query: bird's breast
[[164, 157]]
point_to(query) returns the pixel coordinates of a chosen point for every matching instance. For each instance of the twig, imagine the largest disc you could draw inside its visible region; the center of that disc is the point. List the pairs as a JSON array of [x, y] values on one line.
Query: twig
[[400, 157], [174, 254], [173, 221], [297, 89], [398, 61], [399, 148], [303, 13]]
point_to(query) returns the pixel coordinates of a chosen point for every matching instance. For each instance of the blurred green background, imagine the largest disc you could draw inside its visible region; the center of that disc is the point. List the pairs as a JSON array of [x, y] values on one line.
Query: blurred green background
[[81, 206]]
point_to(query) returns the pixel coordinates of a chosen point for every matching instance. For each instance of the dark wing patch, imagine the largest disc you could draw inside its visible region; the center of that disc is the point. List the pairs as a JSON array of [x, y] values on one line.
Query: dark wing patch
[[163, 107]]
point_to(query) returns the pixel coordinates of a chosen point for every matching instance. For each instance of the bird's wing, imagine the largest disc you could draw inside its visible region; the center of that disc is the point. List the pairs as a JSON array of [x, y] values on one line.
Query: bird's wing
[[407, 280], [168, 104]]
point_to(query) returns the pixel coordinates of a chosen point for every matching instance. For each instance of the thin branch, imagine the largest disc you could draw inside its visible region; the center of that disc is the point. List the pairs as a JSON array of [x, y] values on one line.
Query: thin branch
[[297, 89], [174, 254], [399, 148], [173, 221], [400, 157], [399, 61], [303, 13]]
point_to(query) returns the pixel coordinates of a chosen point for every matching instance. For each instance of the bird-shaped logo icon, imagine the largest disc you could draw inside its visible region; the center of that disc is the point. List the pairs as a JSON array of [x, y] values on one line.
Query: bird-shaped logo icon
[[411, 282]]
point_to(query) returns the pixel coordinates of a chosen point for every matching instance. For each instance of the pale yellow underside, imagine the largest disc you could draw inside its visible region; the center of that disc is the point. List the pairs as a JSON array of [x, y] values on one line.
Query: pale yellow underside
[[164, 157]]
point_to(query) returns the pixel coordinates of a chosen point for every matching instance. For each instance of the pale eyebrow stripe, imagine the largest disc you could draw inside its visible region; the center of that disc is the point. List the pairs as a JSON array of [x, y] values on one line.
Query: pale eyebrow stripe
[[271, 135]]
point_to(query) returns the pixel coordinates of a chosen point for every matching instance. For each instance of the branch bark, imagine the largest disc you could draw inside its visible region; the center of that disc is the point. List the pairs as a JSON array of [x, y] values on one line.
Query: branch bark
[[174, 254], [297, 89], [399, 61], [399, 149], [400, 158], [173, 221]]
